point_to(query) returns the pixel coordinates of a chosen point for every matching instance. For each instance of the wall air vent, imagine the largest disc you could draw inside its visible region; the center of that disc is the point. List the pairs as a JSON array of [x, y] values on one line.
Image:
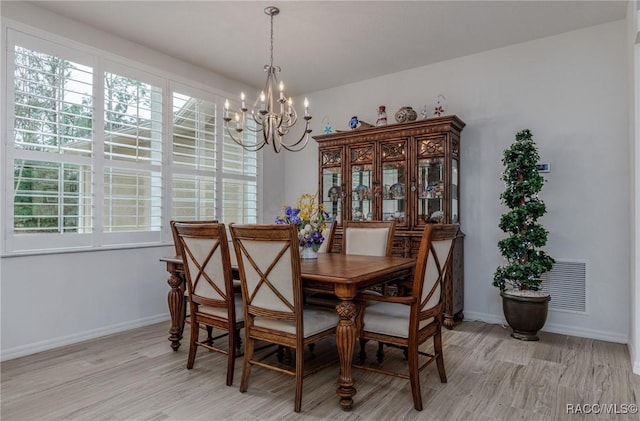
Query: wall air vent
[[566, 282]]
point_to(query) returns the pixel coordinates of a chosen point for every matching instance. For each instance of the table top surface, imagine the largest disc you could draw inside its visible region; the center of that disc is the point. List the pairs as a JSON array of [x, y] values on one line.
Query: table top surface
[[340, 268], [351, 268]]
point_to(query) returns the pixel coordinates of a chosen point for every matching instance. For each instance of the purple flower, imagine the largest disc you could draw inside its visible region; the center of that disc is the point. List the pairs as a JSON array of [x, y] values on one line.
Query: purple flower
[[317, 237], [290, 212]]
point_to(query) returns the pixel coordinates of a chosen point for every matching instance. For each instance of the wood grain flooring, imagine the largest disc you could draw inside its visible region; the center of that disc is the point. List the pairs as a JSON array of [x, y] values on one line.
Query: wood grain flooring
[[136, 376]]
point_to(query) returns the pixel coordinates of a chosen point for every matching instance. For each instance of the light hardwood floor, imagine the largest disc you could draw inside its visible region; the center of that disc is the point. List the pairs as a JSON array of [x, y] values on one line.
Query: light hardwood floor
[[135, 376]]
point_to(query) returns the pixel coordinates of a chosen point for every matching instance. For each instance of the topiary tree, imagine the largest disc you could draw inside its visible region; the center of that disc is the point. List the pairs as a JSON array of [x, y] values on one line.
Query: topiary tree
[[525, 260]]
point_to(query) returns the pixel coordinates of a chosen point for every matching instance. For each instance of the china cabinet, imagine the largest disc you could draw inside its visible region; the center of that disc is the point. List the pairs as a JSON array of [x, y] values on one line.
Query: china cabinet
[[408, 172]]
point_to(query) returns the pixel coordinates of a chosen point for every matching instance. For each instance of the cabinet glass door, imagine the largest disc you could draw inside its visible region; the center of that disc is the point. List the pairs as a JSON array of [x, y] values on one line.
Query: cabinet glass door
[[394, 182], [361, 195], [454, 192], [430, 190], [332, 192], [361, 168]]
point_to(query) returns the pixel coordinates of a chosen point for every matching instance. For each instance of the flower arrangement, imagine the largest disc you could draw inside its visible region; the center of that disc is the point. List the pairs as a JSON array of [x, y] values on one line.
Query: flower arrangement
[[310, 219]]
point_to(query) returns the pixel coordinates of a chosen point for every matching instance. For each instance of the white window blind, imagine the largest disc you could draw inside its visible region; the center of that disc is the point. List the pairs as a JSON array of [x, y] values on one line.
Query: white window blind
[[194, 158], [239, 181], [210, 180], [133, 155], [52, 139]]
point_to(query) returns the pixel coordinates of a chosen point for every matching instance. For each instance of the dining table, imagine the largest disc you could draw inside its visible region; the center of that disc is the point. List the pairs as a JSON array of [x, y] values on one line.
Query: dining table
[[343, 275]]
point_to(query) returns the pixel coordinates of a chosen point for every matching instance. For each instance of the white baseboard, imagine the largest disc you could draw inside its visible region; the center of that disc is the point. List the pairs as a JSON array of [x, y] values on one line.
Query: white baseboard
[[635, 359], [554, 328], [21, 351]]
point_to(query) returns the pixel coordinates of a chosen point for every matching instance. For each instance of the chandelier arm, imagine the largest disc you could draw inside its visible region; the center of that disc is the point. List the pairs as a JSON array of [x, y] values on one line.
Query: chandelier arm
[[304, 137], [293, 148], [250, 147]]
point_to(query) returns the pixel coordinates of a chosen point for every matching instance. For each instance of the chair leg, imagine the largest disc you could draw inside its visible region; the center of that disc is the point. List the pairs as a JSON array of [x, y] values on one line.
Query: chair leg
[[238, 340], [185, 304], [210, 335], [363, 352], [193, 342], [299, 378], [380, 353], [231, 356], [437, 348], [246, 367], [414, 377]]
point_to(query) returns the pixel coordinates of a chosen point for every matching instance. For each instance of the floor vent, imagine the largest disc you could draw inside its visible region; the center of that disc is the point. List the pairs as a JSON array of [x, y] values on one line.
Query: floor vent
[[566, 282]]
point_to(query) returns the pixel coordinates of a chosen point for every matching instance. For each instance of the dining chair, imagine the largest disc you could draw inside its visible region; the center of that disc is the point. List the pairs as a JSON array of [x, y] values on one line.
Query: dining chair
[[269, 264], [407, 322], [371, 238], [328, 233], [185, 291], [205, 255]]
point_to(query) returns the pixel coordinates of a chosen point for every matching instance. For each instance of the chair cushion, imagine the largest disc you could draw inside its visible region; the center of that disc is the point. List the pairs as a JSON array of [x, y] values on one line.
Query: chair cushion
[[367, 241], [315, 320], [222, 312], [389, 319]]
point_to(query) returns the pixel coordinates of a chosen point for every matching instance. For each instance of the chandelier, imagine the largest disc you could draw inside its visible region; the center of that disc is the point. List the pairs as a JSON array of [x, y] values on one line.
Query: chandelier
[[271, 117]]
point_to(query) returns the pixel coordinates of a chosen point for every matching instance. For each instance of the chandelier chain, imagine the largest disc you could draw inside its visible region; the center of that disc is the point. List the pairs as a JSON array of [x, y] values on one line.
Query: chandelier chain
[[271, 61]]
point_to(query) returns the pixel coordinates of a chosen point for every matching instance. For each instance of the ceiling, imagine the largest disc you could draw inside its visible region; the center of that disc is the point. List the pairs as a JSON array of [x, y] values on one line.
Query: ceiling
[[323, 44]]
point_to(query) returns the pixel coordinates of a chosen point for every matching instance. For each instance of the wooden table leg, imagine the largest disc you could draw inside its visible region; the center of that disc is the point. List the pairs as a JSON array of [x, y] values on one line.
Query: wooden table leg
[[346, 333], [175, 300]]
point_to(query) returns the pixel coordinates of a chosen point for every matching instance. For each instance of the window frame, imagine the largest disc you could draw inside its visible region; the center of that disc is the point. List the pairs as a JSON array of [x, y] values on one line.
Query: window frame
[[100, 61]]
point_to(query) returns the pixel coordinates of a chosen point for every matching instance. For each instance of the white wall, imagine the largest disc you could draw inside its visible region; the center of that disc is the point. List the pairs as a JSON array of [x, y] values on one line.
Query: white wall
[[56, 299], [633, 54], [570, 90]]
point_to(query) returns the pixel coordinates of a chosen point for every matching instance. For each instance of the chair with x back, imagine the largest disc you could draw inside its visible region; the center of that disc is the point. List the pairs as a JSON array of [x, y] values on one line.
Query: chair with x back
[[205, 255], [269, 264], [179, 252], [407, 322]]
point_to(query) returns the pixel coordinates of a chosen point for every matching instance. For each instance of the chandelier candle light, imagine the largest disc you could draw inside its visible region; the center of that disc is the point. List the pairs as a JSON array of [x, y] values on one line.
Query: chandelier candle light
[[272, 121]]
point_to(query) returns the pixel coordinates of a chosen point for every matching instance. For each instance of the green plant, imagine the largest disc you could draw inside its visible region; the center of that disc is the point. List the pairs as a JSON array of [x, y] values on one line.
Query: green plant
[[525, 260]]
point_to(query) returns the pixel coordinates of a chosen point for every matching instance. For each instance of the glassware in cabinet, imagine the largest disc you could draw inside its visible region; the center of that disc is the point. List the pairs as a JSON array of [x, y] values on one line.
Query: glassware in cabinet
[[332, 187], [332, 192], [361, 195], [361, 181], [431, 190], [455, 211], [394, 181]]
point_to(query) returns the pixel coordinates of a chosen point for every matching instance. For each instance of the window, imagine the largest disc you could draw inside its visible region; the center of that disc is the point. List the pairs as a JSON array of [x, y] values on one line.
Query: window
[[193, 158], [52, 145], [91, 160], [239, 182], [209, 180], [133, 155]]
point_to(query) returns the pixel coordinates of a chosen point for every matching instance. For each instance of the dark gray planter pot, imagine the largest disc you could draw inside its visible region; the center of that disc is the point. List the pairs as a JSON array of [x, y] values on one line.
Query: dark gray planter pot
[[525, 314]]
